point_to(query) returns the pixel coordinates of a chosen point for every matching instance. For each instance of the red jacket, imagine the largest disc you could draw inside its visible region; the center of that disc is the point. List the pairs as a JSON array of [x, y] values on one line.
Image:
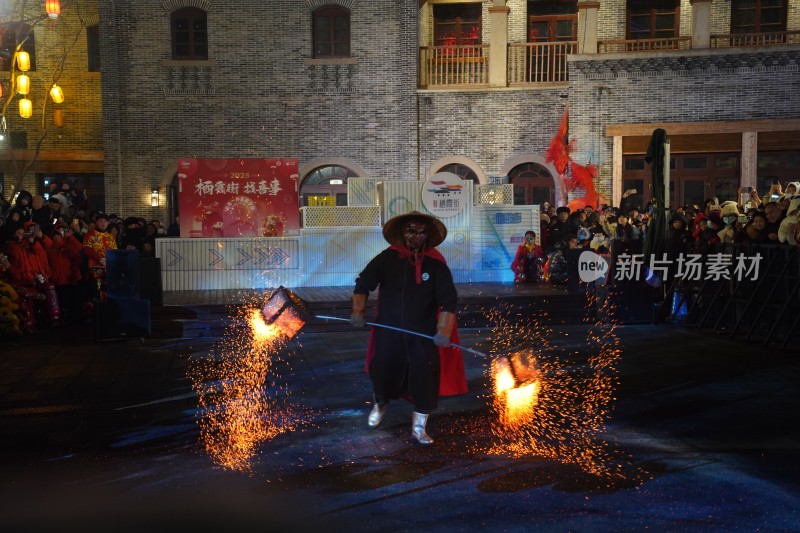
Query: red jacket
[[64, 255], [26, 261]]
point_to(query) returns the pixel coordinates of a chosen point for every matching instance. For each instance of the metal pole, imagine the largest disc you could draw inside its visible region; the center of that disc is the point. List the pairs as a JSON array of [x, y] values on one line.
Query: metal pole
[[666, 174], [666, 185], [476, 352]]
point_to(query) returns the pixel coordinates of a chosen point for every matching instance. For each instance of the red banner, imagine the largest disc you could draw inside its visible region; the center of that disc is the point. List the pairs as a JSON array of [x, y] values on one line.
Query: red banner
[[238, 197]]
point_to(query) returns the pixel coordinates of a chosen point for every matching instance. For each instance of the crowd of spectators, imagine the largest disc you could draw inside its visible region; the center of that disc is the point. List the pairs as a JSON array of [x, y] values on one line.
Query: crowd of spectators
[[699, 229], [52, 257]]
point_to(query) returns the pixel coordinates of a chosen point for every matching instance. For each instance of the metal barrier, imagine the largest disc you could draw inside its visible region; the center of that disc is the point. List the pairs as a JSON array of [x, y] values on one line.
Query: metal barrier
[[754, 296]]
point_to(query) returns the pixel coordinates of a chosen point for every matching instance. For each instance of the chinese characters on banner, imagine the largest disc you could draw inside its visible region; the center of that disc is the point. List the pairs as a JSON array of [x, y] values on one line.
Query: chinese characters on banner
[[238, 197], [690, 267]]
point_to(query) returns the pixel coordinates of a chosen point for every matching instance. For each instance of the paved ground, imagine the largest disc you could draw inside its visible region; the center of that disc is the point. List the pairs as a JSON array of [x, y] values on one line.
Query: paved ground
[[700, 436]]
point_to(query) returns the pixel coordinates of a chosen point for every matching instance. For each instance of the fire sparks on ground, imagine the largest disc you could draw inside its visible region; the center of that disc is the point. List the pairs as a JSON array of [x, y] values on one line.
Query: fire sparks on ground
[[239, 399], [551, 404]]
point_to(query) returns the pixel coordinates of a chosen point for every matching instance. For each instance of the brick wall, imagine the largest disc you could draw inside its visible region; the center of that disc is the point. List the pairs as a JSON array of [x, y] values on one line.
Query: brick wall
[[258, 98], [82, 98], [489, 127], [702, 88]]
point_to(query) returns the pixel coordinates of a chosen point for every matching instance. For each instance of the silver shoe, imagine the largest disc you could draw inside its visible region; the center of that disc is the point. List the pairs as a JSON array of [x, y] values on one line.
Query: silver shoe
[[418, 422], [376, 415]]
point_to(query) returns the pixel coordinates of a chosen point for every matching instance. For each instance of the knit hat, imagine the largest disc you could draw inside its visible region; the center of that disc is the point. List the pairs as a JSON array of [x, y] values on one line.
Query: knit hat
[[394, 227], [562, 209], [28, 225]]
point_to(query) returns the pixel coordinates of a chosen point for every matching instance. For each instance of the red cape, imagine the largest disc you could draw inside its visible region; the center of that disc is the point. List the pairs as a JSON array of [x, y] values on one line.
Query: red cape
[[453, 378]]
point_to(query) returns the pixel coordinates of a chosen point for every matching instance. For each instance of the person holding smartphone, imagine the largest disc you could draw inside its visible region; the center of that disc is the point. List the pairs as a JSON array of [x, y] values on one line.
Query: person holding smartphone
[[774, 193]]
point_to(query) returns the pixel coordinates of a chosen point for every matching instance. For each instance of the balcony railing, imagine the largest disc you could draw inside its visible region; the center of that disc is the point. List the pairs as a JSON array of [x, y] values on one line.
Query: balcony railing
[[755, 39], [539, 62], [644, 45], [454, 66]]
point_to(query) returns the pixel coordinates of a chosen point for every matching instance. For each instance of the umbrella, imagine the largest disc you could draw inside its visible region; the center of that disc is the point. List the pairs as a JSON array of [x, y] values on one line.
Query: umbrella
[[656, 229]]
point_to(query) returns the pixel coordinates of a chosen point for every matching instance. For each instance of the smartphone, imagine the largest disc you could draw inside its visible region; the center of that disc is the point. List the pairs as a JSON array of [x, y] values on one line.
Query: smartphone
[[634, 191], [776, 181], [774, 197]]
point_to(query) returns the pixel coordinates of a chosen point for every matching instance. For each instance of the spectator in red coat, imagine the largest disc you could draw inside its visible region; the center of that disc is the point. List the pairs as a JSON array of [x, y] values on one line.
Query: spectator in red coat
[[30, 274], [64, 256]]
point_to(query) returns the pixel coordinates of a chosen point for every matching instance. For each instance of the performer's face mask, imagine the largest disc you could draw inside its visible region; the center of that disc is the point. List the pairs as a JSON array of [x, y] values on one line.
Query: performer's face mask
[[415, 234]]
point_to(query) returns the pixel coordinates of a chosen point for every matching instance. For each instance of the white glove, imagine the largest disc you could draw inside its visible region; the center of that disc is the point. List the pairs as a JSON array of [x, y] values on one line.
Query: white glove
[[441, 340], [357, 321]]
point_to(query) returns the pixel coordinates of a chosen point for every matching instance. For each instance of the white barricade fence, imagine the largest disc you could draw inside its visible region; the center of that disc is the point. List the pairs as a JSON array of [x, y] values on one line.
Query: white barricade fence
[[335, 256], [497, 232], [246, 263], [478, 248], [401, 197], [362, 191], [456, 251]]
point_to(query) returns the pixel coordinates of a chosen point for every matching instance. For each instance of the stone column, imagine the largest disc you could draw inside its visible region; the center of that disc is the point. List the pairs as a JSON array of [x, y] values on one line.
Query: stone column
[[498, 44], [616, 172], [701, 23], [749, 162], [587, 27]]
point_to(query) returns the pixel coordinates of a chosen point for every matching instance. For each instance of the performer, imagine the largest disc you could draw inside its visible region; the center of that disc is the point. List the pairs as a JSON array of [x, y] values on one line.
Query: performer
[[416, 293], [529, 261], [95, 245]]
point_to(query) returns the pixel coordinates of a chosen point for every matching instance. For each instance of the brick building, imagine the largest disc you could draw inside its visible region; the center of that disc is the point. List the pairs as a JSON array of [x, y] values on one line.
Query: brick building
[[404, 89]]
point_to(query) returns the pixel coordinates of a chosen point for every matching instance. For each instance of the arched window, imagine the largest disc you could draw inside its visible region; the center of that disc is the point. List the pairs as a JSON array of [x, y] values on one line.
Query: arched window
[[328, 181], [13, 34], [331, 26], [533, 184], [189, 34], [462, 171]]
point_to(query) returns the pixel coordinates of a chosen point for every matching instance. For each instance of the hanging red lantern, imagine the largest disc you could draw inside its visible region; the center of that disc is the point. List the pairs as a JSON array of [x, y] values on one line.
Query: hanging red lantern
[[53, 8]]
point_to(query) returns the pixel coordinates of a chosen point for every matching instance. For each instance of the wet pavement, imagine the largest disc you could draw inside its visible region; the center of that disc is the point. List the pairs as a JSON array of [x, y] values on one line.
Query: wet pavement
[[701, 436]]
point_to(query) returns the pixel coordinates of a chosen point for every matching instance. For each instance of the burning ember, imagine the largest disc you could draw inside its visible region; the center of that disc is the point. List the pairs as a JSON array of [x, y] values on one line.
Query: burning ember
[[238, 392], [516, 389], [555, 404]]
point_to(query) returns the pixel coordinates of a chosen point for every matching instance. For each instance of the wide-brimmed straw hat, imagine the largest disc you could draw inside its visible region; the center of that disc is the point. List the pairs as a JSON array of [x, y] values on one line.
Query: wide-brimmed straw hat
[[393, 229]]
